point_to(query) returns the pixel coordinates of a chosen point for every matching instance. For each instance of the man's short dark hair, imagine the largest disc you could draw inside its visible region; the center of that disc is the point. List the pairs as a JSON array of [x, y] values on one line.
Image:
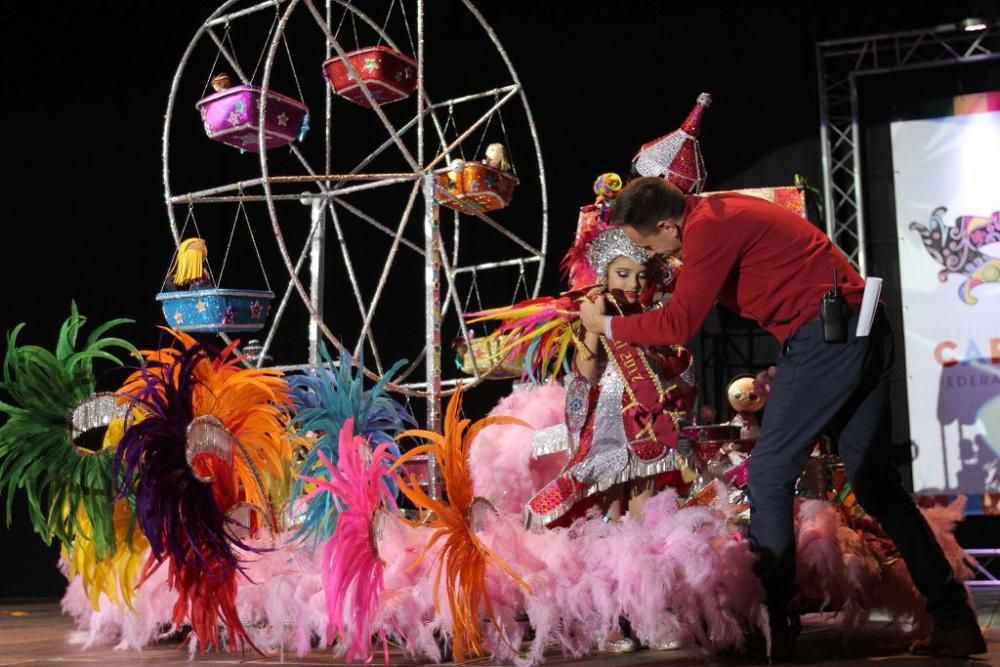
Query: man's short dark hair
[[646, 201]]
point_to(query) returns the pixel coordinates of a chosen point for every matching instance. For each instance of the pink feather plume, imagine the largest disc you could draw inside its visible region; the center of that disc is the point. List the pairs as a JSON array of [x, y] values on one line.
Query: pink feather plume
[[353, 572]]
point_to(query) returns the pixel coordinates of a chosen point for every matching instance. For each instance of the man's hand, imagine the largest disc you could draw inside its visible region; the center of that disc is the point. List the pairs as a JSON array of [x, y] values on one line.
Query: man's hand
[[592, 314]]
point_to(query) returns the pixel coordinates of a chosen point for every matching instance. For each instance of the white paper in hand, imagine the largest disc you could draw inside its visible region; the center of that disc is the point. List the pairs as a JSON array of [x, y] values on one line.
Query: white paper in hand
[[869, 302]]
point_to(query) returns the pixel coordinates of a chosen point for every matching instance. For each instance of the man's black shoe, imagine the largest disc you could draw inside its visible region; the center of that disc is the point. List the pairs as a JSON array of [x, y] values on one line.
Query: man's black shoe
[[958, 642], [784, 636]]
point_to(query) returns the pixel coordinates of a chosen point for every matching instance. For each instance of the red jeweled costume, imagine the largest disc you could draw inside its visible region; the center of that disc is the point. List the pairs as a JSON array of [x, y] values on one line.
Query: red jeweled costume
[[621, 429]]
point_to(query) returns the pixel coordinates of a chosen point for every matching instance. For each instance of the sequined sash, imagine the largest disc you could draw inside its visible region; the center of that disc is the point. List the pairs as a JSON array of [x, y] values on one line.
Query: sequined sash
[[646, 414]]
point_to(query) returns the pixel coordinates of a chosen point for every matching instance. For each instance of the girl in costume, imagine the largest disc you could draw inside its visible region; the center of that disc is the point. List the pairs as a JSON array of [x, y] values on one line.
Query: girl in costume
[[622, 402], [612, 440]]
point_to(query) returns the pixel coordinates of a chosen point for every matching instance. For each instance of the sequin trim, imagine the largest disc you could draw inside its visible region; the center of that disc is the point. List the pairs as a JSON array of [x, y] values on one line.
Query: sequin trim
[[550, 440]]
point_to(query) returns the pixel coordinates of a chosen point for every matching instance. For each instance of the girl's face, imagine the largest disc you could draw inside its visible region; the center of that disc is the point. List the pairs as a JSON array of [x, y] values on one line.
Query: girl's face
[[627, 275]]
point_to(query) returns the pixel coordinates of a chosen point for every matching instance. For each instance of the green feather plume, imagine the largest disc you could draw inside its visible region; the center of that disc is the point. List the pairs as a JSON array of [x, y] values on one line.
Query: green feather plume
[[37, 454]]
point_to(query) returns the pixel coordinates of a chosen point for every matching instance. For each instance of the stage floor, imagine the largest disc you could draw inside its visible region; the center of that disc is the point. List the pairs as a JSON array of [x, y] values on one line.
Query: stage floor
[[35, 633]]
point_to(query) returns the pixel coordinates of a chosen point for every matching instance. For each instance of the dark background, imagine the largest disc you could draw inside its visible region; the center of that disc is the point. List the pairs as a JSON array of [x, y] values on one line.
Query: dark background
[[84, 86]]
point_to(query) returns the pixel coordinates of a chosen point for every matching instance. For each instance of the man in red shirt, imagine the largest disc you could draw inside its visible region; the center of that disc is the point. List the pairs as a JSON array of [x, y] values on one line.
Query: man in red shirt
[[767, 264]]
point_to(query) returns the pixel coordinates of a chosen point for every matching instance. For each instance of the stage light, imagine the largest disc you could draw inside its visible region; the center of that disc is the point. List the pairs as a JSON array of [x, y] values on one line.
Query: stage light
[[972, 25]]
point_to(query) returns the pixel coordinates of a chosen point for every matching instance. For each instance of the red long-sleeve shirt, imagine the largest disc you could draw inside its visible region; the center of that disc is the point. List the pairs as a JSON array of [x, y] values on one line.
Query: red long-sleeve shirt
[[758, 259]]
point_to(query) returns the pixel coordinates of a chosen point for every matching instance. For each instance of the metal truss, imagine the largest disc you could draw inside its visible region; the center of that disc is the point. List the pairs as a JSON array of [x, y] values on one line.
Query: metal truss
[[840, 63], [983, 563]]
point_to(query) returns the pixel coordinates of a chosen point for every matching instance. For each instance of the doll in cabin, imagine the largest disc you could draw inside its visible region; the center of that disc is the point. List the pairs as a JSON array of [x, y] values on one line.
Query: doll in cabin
[[496, 157], [221, 81], [189, 270]]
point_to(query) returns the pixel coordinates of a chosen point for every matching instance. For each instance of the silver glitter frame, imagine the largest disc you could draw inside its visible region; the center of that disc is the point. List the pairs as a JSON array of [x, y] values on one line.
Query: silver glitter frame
[[95, 411]]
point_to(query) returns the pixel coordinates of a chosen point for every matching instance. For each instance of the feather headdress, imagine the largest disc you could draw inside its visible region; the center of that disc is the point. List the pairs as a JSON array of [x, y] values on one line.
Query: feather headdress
[[463, 557], [541, 330], [252, 404], [185, 490], [52, 397], [598, 242], [352, 569], [538, 330], [325, 400]]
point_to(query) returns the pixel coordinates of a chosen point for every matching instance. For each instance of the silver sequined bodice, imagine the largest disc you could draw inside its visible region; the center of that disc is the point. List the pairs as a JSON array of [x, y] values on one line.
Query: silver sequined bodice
[[608, 427]]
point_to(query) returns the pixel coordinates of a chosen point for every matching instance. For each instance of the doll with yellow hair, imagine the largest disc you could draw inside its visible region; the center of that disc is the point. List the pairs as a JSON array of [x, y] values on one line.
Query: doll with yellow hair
[[190, 267]]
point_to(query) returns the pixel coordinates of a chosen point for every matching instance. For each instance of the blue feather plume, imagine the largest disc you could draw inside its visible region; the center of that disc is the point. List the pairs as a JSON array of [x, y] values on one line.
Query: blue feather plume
[[324, 401]]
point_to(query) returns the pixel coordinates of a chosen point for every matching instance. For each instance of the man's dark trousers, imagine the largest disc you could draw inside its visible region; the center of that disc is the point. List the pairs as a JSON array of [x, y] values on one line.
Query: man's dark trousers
[[846, 386]]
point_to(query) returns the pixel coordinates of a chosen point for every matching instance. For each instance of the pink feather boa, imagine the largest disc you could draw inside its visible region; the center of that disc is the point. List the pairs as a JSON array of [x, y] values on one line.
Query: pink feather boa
[[834, 565], [672, 572], [150, 621], [503, 470]]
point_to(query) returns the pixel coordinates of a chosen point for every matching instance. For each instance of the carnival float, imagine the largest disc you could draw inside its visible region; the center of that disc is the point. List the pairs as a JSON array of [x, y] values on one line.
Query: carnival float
[[234, 504]]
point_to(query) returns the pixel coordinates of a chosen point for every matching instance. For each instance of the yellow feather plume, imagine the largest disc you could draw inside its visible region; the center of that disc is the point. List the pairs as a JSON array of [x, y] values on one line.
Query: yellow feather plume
[[117, 574]]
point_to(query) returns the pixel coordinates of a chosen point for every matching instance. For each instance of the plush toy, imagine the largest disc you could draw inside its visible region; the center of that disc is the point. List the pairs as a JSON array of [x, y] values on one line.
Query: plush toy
[[746, 402]]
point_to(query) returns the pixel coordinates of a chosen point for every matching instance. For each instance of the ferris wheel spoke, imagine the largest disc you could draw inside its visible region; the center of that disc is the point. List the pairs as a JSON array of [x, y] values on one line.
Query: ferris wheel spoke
[[474, 126], [493, 92], [226, 18], [377, 296], [218, 194], [349, 267], [497, 226], [484, 266], [384, 145], [280, 311], [375, 106], [427, 111], [406, 372], [376, 224], [379, 180], [230, 58], [329, 193]]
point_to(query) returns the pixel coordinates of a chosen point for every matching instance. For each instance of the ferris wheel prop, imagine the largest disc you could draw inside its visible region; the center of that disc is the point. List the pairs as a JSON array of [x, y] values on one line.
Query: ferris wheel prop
[[361, 132]]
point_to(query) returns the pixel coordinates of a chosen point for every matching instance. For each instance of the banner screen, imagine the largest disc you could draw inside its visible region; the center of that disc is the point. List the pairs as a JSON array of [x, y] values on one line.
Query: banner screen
[[947, 190]]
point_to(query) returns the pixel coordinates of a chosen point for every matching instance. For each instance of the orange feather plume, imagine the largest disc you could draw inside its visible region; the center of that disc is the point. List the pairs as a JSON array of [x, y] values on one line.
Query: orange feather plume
[[254, 405], [463, 558]]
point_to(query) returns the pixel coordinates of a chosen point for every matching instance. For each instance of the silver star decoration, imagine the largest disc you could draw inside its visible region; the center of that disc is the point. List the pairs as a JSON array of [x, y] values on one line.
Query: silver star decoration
[[282, 119]]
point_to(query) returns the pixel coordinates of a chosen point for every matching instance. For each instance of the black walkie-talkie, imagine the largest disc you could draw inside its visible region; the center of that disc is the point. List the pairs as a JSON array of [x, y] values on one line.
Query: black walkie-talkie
[[833, 312]]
